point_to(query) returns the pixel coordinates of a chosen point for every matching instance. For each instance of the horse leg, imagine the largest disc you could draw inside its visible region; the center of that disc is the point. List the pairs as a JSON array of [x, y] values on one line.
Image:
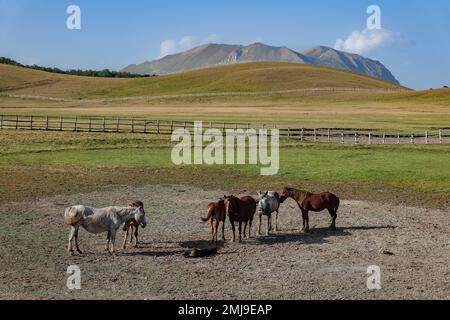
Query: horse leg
[[131, 234], [276, 222], [245, 229], [269, 226], [71, 236], [260, 221], [223, 230], [108, 237], [113, 241], [240, 231], [333, 218], [136, 237], [303, 219], [215, 228], [124, 246], [307, 220], [250, 229], [76, 241], [234, 231]]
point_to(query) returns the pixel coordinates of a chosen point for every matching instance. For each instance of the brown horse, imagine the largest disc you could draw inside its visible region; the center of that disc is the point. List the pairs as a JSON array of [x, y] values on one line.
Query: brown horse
[[132, 225], [241, 210], [307, 201], [215, 213]]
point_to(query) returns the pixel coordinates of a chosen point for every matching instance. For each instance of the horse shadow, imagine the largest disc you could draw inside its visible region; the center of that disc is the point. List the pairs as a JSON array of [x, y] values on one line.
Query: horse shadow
[[314, 236], [153, 253], [201, 244]]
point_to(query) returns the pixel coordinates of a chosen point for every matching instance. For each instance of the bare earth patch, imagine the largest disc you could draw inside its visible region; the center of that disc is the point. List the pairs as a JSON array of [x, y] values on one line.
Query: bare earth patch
[[411, 246]]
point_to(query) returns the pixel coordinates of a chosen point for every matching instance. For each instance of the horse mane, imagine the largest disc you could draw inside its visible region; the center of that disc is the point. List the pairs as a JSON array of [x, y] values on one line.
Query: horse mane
[[135, 203]]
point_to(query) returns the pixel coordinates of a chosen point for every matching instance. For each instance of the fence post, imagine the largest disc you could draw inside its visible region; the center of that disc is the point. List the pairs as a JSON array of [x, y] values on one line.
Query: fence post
[[426, 136], [440, 136], [31, 122], [328, 135], [370, 138], [1, 121], [46, 122], [104, 124], [90, 124], [145, 126], [75, 124], [412, 138], [398, 138], [342, 137], [171, 126], [384, 137], [302, 133], [132, 125], [17, 122], [157, 126], [118, 125], [356, 137], [315, 135], [248, 126], [289, 133]]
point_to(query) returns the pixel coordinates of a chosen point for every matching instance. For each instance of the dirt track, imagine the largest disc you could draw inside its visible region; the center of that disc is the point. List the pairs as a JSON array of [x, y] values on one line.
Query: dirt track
[[411, 246]]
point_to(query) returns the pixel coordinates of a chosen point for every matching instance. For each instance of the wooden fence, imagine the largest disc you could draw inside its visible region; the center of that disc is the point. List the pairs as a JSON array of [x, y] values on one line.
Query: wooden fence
[[146, 126]]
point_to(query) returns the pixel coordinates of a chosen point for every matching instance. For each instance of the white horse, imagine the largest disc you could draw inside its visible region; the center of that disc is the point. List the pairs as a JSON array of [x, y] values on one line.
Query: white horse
[[269, 202], [101, 220]]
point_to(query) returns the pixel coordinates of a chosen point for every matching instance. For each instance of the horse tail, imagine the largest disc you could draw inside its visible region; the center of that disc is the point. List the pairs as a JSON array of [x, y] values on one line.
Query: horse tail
[[337, 205], [73, 215], [209, 213]]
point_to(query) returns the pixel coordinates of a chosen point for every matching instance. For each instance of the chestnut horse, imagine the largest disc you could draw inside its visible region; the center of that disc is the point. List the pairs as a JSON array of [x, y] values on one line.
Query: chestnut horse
[[241, 210], [132, 225], [307, 201], [215, 213]]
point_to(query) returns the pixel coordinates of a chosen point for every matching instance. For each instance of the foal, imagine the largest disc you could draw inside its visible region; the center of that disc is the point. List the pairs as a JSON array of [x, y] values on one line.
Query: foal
[[215, 213], [132, 225], [307, 201]]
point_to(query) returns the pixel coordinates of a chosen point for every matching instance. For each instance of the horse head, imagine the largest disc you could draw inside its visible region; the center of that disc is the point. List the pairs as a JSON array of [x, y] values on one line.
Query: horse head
[[231, 204], [286, 193], [139, 213]]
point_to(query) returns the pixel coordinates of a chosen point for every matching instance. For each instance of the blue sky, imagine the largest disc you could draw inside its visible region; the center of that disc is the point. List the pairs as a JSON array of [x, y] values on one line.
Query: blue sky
[[117, 33]]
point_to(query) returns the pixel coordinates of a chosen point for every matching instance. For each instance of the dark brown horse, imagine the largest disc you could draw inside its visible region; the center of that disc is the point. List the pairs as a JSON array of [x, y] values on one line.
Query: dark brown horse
[[308, 201], [241, 210], [215, 213]]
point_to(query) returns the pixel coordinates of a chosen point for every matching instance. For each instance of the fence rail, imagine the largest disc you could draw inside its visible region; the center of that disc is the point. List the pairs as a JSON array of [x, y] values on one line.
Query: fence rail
[[147, 126]]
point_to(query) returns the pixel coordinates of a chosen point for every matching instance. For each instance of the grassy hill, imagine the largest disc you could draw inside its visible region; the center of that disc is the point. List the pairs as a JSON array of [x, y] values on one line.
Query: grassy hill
[[245, 77], [397, 108]]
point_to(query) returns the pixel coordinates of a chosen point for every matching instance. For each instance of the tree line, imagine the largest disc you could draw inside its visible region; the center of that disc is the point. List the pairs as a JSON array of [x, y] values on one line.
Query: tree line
[[106, 73]]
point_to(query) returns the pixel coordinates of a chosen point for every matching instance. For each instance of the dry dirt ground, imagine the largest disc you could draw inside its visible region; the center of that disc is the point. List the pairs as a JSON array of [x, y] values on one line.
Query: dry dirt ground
[[410, 245]]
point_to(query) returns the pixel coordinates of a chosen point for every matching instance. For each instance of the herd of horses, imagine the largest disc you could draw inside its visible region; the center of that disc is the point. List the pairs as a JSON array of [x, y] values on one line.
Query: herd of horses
[[239, 210]]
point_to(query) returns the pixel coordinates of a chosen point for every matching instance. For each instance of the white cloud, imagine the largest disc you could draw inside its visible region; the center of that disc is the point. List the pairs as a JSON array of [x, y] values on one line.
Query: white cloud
[[170, 46], [187, 43], [167, 47], [365, 41]]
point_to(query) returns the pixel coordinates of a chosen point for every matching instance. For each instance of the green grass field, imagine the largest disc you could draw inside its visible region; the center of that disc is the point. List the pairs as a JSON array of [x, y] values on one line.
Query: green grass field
[[121, 158]]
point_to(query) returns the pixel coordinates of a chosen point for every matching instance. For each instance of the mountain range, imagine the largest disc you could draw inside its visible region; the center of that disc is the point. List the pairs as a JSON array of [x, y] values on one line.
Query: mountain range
[[211, 55]]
